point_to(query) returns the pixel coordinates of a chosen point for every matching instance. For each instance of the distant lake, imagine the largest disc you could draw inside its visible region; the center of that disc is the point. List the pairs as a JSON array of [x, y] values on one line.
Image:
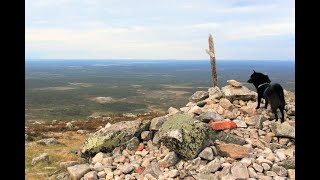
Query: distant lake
[[67, 89]]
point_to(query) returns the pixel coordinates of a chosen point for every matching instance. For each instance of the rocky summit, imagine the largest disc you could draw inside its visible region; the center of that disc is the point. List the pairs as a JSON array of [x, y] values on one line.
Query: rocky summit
[[218, 135]]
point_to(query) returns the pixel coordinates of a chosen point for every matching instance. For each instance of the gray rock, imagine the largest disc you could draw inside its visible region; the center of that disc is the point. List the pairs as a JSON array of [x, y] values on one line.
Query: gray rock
[[195, 110], [132, 144], [246, 161], [261, 160], [211, 167], [153, 169], [98, 167], [281, 171], [284, 141], [157, 122], [206, 176], [280, 155], [98, 157], [156, 138], [47, 141], [102, 174], [271, 173], [146, 135], [283, 130], [238, 93], [199, 96], [78, 171], [118, 134], [288, 163], [68, 163], [42, 157], [173, 173], [92, 175], [194, 164], [257, 167], [169, 160], [229, 115], [252, 173], [208, 115], [266, 166], [207, 154], [240, 171], [184, 135], [127, 168], [256, 121], [240, 123], [275, 146], [215, 92]]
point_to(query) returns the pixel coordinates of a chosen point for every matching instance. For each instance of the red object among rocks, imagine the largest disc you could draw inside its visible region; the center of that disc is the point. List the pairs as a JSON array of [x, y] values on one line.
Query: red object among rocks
[[140, 147], [222, 125], [139, 170]]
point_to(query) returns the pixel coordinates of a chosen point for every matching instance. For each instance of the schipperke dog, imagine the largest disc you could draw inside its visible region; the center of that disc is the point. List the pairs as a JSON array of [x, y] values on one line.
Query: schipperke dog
[[272, 93]]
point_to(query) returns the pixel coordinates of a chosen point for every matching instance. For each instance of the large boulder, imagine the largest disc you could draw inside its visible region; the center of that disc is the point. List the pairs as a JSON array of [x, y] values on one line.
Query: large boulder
[[184, 135], [238, 93], [118, 134]]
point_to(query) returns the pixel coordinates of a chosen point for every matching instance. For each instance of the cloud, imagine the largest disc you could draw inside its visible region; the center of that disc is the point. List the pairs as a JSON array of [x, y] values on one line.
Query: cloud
[[163, 30]]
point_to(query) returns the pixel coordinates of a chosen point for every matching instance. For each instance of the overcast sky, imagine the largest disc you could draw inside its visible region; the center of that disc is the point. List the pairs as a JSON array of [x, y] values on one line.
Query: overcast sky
[[162, 29]]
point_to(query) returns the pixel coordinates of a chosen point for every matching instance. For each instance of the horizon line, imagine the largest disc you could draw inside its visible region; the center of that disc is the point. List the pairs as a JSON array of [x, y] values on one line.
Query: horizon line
[[83, 59]]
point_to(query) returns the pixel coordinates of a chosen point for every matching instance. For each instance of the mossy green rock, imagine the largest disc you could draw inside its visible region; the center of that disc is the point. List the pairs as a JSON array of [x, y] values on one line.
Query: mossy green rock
[[118, 134], [184, 135]]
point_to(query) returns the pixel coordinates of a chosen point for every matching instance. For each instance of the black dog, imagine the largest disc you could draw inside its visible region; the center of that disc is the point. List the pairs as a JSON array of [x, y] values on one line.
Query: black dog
[[272, 93]]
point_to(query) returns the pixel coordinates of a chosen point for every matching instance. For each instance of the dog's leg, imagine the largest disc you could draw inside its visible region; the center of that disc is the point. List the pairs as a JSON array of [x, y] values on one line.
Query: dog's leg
[[282, 110], [266, 104], [274, 110], [259, 100]]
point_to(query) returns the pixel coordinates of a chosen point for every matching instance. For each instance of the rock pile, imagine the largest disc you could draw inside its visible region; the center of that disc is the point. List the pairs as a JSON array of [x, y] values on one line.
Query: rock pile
[[218, 135]]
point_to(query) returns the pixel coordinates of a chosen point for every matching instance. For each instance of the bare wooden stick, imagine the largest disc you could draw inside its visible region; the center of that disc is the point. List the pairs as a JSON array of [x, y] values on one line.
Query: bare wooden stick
[[213, 61]]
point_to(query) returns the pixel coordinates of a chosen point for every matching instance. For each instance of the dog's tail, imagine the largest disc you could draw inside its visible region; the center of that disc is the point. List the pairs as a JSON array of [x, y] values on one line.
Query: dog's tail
[[279, 90]]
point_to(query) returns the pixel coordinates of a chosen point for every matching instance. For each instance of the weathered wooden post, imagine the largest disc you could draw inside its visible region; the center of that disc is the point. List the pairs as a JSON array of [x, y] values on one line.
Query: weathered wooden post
[[213, 61]]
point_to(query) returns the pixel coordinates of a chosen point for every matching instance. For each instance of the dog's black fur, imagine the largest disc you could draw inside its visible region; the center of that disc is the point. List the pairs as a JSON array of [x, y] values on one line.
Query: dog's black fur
[[272, 93]]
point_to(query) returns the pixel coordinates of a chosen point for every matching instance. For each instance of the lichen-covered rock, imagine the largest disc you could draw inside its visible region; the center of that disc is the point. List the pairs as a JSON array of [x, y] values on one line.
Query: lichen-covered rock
[[184, 135], [226, 137], [118, 134], [199, 96], [238, 93]]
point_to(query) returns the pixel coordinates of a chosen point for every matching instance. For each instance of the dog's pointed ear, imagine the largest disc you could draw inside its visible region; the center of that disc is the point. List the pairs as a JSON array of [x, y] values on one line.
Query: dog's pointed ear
[[254, 71]]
